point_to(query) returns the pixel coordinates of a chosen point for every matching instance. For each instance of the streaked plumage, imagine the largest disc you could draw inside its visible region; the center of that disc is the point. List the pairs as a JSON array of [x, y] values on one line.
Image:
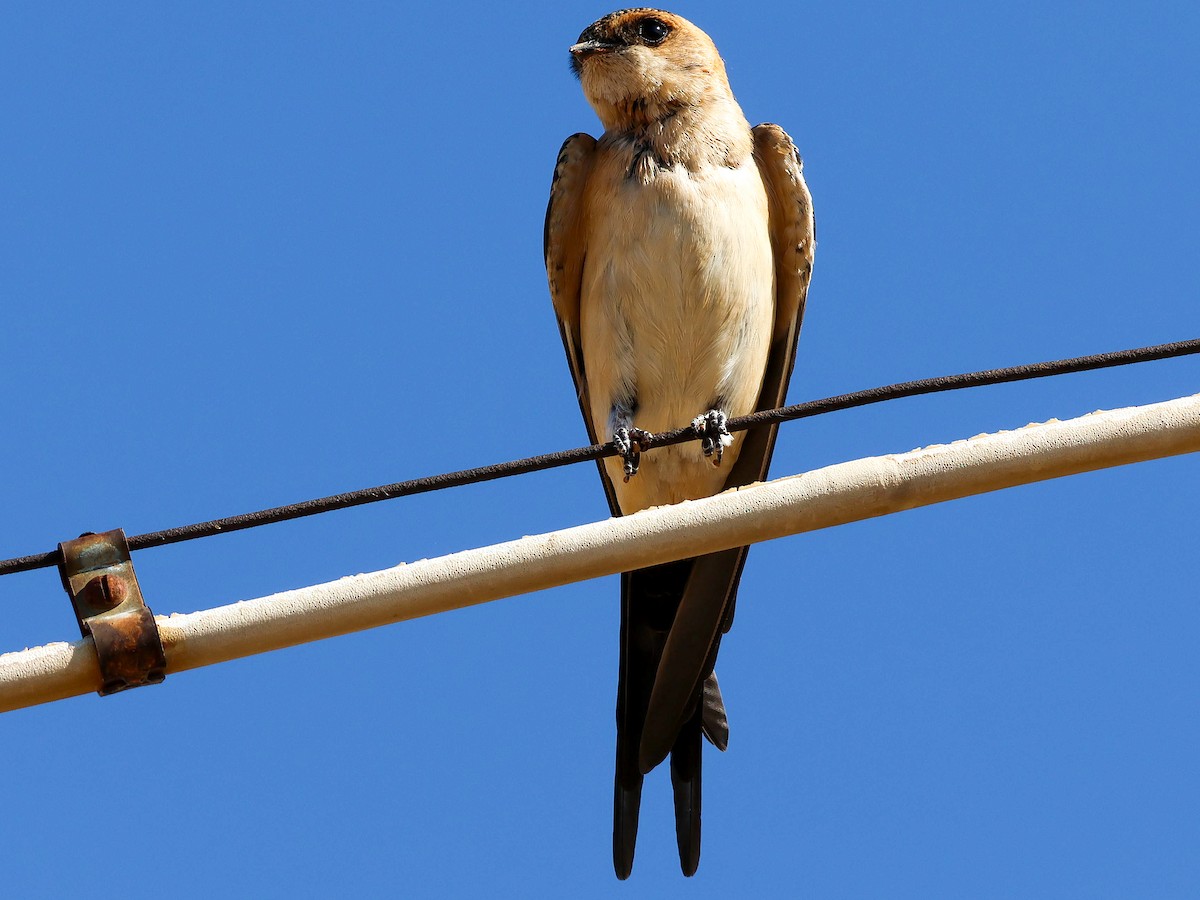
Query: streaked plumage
[[678, 249]]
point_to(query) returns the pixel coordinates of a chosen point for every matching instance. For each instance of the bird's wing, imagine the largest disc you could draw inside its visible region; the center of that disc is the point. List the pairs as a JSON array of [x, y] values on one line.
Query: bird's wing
[[706, 610], [565, 249]]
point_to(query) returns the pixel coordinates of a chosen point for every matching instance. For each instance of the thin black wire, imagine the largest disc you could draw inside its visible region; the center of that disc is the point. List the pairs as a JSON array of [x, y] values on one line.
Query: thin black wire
[[597, 451]]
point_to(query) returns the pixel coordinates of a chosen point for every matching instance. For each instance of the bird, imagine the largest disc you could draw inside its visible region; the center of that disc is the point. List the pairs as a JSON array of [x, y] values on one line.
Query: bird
[[679, 249]]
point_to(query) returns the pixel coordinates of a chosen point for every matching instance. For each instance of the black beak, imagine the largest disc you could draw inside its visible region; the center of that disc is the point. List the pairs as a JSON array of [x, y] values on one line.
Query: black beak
[[584, 49]]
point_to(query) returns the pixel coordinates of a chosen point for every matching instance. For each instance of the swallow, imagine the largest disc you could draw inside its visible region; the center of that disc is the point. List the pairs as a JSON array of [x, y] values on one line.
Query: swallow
[[679, 248]]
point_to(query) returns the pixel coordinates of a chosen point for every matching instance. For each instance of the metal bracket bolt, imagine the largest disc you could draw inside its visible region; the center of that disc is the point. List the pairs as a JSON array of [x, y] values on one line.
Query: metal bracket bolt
[[97, 573]]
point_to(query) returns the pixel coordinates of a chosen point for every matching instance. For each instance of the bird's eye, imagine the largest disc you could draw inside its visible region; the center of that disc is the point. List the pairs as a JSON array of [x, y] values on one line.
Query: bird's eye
[[653, 31]]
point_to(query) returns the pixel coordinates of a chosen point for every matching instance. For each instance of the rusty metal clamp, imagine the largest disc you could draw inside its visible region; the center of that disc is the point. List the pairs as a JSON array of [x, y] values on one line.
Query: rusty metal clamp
[[98, 574]]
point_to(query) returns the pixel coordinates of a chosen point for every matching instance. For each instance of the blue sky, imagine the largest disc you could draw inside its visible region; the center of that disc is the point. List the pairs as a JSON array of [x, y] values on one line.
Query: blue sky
[[255, 253]]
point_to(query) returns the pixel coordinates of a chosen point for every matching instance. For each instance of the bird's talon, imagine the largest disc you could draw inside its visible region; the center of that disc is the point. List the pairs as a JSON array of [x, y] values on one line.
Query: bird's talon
[[630, 443], [714, 434]]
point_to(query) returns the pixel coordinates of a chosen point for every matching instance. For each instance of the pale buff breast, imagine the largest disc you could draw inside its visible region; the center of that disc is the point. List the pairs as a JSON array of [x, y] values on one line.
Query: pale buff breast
[[677, 309]]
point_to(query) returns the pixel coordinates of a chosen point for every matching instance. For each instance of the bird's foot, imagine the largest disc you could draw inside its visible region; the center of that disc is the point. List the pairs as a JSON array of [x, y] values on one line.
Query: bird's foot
[[630, 442], [714, 435]]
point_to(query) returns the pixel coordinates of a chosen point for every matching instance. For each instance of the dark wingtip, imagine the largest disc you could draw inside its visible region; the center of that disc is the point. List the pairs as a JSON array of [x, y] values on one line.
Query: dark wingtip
[[689, 862], [686, 765], [687, 836], [623, 866], [627, 803], [687, 825]]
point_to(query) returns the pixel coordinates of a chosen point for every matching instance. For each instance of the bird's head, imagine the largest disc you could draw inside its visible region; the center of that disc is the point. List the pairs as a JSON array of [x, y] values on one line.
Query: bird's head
[[639, 65]]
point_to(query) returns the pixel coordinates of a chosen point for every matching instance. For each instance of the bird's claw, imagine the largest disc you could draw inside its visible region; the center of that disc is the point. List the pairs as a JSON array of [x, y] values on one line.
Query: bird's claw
[[714, 434], [630, 443]]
